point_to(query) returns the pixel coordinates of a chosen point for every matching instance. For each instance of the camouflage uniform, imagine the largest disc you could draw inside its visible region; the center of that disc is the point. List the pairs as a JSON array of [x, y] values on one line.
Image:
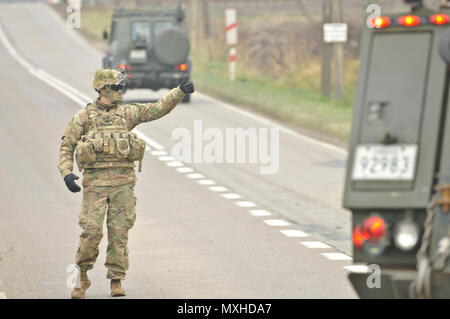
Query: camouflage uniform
[[108, 184]]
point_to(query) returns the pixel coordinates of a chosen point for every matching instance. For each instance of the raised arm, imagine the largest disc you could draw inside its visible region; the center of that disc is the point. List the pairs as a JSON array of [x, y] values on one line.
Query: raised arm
[[145, 112]]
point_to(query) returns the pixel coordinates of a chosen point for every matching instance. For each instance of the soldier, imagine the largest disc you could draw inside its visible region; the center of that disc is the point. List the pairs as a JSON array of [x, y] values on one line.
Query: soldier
[[105, 149]]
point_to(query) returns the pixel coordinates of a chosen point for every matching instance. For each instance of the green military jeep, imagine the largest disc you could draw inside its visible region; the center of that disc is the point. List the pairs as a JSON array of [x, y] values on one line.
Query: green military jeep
[[152, 44]]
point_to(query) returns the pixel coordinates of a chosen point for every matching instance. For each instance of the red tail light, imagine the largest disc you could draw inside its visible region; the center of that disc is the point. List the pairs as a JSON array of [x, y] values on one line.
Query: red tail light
[[439, 19], [374, 226], [359, 237], [380, 22], [373, 230], [125, 67], [409, 21], [182, 67]]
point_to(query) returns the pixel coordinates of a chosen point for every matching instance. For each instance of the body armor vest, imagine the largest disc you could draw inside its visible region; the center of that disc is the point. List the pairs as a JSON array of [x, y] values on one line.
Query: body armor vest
[[108, 143]]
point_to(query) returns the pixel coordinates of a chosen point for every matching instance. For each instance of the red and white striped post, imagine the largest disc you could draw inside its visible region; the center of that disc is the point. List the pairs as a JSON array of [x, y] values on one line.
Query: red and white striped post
[[232, 39]]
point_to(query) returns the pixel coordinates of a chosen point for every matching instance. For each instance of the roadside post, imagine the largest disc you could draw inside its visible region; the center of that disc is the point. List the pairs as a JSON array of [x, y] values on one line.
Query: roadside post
[[232, 39]]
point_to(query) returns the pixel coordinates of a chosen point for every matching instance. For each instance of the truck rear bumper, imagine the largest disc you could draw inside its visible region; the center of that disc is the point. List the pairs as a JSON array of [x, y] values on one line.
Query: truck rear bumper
[[396, 283], [392, 284], [155, 80]]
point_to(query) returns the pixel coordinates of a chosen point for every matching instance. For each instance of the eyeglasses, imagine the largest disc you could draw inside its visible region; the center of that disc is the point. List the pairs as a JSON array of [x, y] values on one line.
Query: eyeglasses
[[116, 88]]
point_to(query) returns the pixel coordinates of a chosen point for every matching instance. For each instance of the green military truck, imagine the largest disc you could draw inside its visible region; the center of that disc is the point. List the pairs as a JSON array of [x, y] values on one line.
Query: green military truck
[[152, 44], [398, 171]]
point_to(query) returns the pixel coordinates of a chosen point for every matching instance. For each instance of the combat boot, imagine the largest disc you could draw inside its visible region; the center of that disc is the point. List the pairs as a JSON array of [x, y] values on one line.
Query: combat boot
[[116, 288], [85, 283]]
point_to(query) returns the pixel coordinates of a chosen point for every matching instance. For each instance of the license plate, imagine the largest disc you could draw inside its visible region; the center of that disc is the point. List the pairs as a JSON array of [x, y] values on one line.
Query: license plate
[[385, 162], [138, 54]]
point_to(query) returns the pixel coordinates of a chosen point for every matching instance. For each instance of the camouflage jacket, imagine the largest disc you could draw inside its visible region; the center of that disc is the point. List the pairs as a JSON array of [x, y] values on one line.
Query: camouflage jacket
[[135, 114]]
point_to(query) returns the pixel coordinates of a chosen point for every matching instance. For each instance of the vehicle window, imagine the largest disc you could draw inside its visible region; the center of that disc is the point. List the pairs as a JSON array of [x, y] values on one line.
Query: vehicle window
[[140, 31], [162, 25]]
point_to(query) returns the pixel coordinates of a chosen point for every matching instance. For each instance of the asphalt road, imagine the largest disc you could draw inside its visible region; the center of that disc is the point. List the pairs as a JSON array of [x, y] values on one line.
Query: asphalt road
[[190, 240]]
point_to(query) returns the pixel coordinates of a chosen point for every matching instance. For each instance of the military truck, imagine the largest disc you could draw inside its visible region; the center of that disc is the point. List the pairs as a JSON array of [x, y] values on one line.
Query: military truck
[[398, 171], [152, 44]]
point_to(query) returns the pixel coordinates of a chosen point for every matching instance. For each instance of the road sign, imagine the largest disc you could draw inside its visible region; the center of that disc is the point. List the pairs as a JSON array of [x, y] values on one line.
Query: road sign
[[335, 32]]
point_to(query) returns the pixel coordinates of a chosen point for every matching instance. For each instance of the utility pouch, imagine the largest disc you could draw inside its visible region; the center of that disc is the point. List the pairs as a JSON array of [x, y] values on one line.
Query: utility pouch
[[98, 145], [123, 148], [137, 148], [84, 153]]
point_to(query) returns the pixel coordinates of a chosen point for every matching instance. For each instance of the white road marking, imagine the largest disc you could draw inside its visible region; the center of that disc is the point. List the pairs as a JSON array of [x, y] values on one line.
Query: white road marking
[[358, 268], [195, 176], [293, 233], [230, 196], [206, 182], [166, 158], [184, 169], [259, 212], [276, 222], [174, 164], [315, 244], [245, 204], [218, 189], [337, 256], [2, 295], [159, 153]]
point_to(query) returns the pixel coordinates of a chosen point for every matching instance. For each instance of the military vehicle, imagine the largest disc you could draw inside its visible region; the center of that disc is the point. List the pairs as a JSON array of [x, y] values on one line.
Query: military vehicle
[[152, 44], [398, 172]]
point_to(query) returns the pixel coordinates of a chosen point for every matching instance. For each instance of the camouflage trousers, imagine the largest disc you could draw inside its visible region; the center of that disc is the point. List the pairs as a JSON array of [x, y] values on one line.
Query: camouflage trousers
[[118, 203]]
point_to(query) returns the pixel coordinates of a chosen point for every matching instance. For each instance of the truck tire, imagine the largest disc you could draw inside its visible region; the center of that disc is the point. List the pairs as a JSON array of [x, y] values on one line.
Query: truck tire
[[444, 46], [172, 46]]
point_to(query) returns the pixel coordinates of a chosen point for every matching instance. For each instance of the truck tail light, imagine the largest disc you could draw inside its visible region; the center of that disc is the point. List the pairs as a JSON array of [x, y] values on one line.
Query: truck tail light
[[125, 67], [372, 230], [380, 22], [439, 19], [409, 20], [182, 66]]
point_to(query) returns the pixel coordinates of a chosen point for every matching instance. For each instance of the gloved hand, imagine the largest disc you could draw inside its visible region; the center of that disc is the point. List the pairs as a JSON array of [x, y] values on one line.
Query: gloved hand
[[186, 85], [70, 182]]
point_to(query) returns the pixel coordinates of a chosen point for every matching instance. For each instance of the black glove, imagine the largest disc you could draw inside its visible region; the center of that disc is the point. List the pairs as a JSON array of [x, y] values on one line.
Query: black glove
[[186, 85], [70, 182]]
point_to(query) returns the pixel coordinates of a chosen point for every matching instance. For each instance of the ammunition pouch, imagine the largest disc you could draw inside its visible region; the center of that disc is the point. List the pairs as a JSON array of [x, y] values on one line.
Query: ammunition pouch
[[84, 154], [137, 148], [102, 150]]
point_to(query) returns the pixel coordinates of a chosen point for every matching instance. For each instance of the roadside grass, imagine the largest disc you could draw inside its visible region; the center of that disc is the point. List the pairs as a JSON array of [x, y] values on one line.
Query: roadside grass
[[303, 109], [292, 97]]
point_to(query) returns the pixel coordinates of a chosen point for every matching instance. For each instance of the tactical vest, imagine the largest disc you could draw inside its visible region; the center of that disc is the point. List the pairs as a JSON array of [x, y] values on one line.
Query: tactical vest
[[108, 143]]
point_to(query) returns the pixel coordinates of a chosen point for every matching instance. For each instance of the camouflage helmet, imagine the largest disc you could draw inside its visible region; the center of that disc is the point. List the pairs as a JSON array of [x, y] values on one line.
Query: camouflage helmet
[[105, 77]]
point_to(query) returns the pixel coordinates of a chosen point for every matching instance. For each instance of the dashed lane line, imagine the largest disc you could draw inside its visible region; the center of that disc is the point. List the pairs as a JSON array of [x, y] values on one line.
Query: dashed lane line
[[315, 244], [185, 169], [276, 222], [195, 176], [245, 204], [259, 212], [293, 233], [337, 256], [231, 196], [218, 189], [358, 268], [174, 164]]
